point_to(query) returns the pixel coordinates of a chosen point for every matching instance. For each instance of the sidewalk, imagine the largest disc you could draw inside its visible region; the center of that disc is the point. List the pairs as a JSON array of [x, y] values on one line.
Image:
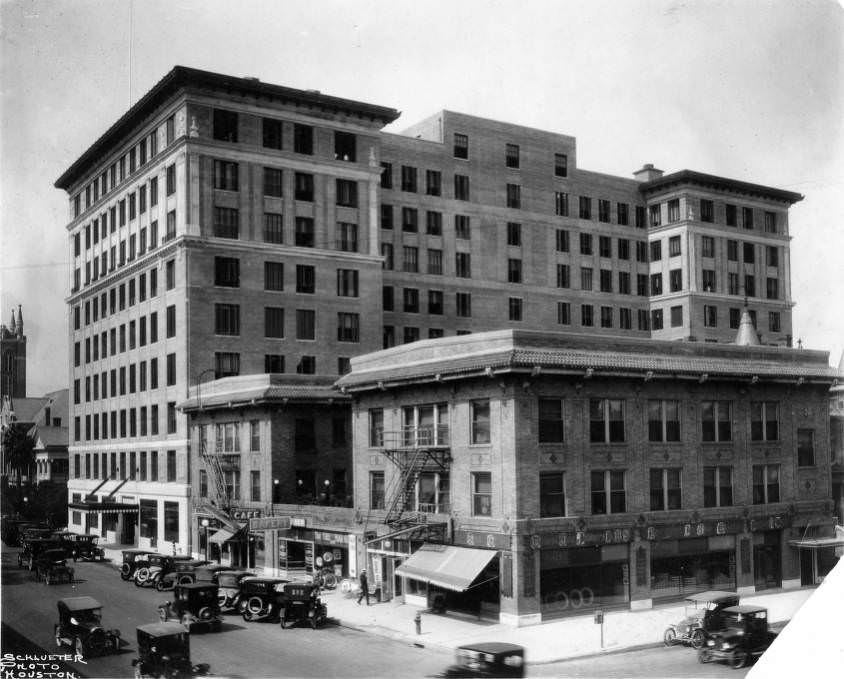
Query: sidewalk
[[549, 642]]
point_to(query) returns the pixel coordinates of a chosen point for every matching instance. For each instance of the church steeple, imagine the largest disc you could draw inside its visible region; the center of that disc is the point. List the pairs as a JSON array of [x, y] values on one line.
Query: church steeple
[[20, 321], [12, 325]]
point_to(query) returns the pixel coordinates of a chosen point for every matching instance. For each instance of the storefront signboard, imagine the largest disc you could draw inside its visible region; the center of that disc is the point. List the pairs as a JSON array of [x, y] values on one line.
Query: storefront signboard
[[241, 514], [269, 523], [328, 538], [482, 540]]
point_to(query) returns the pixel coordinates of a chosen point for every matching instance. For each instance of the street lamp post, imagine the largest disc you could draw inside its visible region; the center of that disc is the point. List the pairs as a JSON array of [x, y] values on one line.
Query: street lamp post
[[205, 526]]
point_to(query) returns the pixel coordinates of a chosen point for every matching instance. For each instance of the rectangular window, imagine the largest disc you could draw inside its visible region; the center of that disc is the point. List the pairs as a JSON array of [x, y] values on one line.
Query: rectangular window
[[274, 322], [411, 300], [587, 319], [770, 222], [514, 270], [514, 305], [550, 420], [772, 290], [707, 210], [773, 258], [225, 125], [461, 227], [463, 304], [707, 246], [435, 262], [585, 207], [347, 237], [623, 245], [435, 302], [603, 210], [605, 246], [747, 217], [226, 222], [665, 489], [345, 146], [304, 236], [226, 272], [226, 319], [764, 421], [271, 133], [387, 254], [766, 483], [656, 319], [674, 210], [717, 487], [305, 324], [562, 238], [749, 286], [774, 324], [674, 247], [675, 280], [347, 283], [434, 223], [347, 192], [480, 422], [170, 182], [226, 364], [663, 420], [606, 316], [805, 448], [255, 485], [563, 313], [273, 363], [730, 215], [306, 365], [733, 286], [303, 139], [171, 372], [608, 492], [605, 280], [563, 276], [514, 234], [481, 494], [348, 327], [561, 204], [303, 186], [461, 146], [386, 175], [463, 265], [273, 182], [560, 165], [225, 175], [409, 219], [623, 283], [552, 499], [461, 187], [641, 251], [606, 420], [376, 490], [408, 179], [656, 284], [622, 213], [410, 259], [655, 214], [585, 243], [305, 278], [710, 316], [273, 276], [386, 216], [514, 196]]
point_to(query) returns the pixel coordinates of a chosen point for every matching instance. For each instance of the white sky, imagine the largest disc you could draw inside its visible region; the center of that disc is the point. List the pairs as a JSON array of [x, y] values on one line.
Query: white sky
[[751, 90]]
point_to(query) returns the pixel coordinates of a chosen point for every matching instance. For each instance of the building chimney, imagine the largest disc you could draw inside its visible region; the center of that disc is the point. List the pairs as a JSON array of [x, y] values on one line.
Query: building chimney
[[647, 173]]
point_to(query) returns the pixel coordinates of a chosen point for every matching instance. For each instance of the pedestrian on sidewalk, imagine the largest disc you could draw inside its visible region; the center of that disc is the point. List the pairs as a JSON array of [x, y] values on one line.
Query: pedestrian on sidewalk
[[364, 587]]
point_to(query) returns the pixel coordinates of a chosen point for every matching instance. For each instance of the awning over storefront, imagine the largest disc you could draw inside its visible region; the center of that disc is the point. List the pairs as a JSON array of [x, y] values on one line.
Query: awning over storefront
[[104, 507], [447, 566], [225, 535], [209, 510], [820, 543]]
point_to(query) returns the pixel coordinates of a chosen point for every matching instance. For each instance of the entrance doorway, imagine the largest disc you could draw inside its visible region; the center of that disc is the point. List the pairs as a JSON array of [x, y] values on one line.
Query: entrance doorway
[[767, 560], [130, 522]]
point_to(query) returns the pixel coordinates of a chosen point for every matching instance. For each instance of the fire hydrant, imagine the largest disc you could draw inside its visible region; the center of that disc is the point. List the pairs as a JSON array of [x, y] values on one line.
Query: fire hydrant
[[418, 620]]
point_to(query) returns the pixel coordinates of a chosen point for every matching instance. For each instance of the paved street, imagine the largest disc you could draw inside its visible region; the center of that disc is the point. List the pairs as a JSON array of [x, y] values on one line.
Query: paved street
[[240, 650]]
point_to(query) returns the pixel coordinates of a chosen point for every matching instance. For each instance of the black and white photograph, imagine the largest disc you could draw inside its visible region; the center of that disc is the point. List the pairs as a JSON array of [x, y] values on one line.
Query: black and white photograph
[[368, 339]]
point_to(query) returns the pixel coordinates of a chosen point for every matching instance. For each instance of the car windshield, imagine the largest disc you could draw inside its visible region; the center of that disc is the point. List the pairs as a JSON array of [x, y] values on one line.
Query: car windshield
[[175, 646], [92, 615], [695, 610]]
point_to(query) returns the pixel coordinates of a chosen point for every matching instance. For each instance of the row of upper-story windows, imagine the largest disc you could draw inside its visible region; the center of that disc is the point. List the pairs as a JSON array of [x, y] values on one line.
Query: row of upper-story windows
[[608, 490], [124, 423], [511, 155], [607, 422], [113, 341], [123, 296], [227, 274], [128, 379], [669, 213], [134, 160], [227, 323], [226, 224], [228, 364], [711, 318], [140, 465]]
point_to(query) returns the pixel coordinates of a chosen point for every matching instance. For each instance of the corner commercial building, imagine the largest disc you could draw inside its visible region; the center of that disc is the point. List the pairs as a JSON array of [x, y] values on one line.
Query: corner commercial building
[[227, 228]]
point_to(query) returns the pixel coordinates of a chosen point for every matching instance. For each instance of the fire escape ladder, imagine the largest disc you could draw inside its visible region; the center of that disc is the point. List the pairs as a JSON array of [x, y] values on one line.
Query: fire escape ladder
[[214, 468], [410, 464]]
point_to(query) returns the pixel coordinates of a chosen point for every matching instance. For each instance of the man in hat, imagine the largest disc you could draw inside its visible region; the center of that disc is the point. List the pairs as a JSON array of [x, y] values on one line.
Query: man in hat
[[364, 587]]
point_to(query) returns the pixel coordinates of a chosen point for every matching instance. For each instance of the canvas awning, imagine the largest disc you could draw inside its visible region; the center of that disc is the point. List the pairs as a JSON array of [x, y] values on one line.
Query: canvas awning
[[817, 543], [104, 507], [224, 535], [447, 566]]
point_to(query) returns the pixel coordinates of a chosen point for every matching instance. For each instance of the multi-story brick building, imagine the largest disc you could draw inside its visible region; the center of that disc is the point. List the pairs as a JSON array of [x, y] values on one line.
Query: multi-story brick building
[[572, 473], [231, 227]]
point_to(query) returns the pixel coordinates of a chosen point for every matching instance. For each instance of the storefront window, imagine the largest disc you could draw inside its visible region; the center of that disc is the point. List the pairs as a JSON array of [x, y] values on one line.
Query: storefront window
[[149, 519], [585, 577], [682, 567], [171, 521]]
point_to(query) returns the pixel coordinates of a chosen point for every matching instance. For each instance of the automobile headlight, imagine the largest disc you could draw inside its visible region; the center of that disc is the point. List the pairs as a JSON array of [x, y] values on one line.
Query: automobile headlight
[[710, 642], [726, 646]]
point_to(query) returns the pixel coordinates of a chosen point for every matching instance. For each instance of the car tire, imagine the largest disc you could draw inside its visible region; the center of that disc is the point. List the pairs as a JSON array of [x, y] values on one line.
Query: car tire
[[255, 605], [670, 637], [698, 638], [141, 576], [125, 571], [160, 586], [186, 579], [703, 655], [79, 647], [738, 659]]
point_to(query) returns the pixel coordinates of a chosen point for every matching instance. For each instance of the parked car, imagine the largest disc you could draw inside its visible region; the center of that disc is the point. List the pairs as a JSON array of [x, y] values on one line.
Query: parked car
[[181, 572], [51, 567], [132, 558], [260, 598], [490, 659], [745, 636], [703, 615], [229, 592], [300, 602], [80, 626], [193, 605], [66, 540], [164, 651], [12, 530], [32, 549], [151, 568], [85, 548]]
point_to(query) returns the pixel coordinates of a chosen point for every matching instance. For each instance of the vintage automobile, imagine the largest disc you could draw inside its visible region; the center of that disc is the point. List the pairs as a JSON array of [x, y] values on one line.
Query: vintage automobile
[[228, 582], [151, 568], [208, 571], [132, 558], [164, 651], [51, 567], [32, 549], [487, 659], [12, 530], [181, 573], [300, 602], [261, 598], [85, 548], [745, 636], [194, 605], [66, 540], [80, 627], [702, 617]]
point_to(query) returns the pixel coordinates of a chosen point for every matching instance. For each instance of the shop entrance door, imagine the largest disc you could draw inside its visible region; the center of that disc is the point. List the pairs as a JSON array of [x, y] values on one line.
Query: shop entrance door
[[130, 521], [807, 567], [767, 562]]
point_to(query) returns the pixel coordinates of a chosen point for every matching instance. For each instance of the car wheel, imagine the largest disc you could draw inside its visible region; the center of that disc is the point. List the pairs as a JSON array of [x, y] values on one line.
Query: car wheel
[[738, 659], [79, 647], [255, 605], [186, 579], [670, 637], [698, 638], [141, 576], [160, 586], [125, 571], [703, 655], [58, 633]]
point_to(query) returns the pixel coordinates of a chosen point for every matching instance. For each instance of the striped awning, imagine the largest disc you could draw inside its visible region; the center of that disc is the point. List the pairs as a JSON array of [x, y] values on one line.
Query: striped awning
[[454, 568], [104, 507]]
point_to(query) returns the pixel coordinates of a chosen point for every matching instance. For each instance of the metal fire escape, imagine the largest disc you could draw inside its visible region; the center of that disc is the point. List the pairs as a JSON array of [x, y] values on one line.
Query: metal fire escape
[[413, 450]]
